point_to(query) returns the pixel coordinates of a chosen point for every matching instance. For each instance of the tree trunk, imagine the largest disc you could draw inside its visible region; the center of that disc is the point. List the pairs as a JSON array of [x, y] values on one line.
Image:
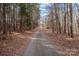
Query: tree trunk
[[71, 26], [4, 19]]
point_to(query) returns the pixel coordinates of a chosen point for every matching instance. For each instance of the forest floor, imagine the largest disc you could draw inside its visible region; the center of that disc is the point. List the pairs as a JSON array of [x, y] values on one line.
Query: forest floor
[[15, 44], [44, 42], [64, 44]]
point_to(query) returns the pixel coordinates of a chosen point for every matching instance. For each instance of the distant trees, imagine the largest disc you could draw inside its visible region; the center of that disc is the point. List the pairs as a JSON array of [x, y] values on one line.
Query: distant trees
[[30, 12], [64, 17]]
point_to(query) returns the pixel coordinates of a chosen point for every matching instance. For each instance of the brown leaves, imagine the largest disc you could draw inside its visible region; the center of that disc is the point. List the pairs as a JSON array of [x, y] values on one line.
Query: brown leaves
[[14, 45], [65, 44]]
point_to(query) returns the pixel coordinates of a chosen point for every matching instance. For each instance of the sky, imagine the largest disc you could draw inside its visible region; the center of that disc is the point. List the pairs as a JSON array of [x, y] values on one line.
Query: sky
[[43, 10]]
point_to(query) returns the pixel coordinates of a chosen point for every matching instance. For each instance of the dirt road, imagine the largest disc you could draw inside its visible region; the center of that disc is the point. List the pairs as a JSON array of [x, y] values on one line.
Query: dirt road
[[40, 46]]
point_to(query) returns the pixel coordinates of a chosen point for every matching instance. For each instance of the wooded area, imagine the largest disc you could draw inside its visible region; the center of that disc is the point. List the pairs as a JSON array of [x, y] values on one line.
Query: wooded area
[[18, 17], [40, 27], [64, 18], [17, 22]]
